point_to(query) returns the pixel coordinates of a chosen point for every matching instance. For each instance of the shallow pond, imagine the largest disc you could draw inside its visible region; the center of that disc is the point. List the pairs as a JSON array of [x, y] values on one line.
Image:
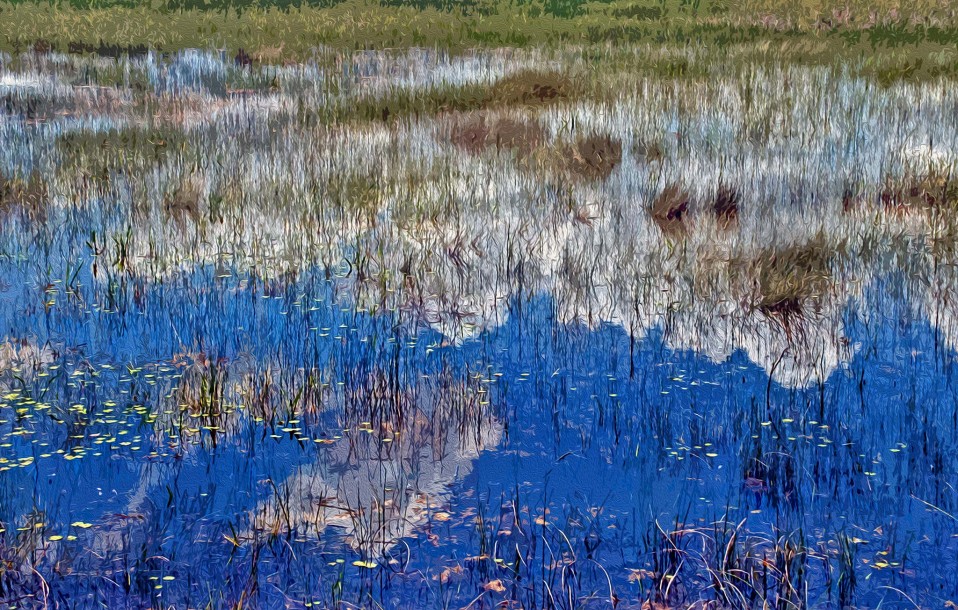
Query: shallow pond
[[637, 343]]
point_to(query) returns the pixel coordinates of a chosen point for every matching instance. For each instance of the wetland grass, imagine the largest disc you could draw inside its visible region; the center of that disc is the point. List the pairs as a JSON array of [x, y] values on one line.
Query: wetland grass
[[670, 210], [595, 157]]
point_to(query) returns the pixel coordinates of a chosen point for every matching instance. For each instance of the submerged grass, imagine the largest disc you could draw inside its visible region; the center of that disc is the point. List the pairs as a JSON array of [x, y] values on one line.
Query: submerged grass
[[98, 154]]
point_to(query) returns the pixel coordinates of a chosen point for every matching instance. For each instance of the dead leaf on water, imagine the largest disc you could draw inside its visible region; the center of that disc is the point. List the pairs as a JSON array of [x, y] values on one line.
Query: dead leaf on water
[[494, 585]]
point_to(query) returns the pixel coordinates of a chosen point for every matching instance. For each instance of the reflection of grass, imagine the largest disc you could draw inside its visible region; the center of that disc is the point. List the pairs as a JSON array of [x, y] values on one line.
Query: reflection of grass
[[25, 195], [353, 194], [388, 430], [401, 103], [30, 105]]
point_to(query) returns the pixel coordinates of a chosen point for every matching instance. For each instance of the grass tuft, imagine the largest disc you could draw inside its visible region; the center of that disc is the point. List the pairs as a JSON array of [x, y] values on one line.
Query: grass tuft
[[595, 157], [27, 196]]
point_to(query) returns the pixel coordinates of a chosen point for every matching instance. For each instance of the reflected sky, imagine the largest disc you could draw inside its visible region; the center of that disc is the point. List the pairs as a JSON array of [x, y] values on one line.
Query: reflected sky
[[424, 470]]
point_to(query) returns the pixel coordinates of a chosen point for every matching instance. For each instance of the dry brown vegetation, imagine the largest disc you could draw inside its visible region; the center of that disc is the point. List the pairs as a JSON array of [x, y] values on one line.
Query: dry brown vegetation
[[650, 152], [670, 210], [27, 196], [788, 277], [186, 202], [533, 88], [725, 206], [595, 157], [933, 190], [477, 132]]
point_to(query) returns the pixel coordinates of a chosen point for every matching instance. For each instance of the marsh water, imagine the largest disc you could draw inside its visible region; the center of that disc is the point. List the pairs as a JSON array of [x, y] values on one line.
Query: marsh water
[[518, 392], [577, 459]]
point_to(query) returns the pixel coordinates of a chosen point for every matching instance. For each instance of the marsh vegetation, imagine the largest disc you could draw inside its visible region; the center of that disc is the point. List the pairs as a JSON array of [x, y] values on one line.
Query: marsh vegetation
[[544, 328]]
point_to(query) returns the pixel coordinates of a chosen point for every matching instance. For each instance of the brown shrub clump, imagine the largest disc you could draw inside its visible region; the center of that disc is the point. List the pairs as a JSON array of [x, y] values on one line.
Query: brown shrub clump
[[28, 196], [532, 88], [185, 202], [930, 191], [670, 209], [475, 133], [725, 206], [789, 276], [650, 152], [470, 134], [782, 281], [42, 46], [595, 157]]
